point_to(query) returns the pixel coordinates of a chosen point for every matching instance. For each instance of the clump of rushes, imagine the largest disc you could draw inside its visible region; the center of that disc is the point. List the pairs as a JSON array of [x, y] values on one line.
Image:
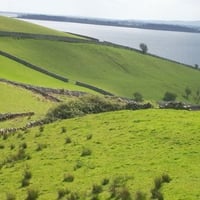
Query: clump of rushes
[[96, 189], [68, 140], [26, 178], [63, 130], [10, 196], [32, 194], [105, 181], [89, 137], [62, 192], [68, 178], [86, 152]]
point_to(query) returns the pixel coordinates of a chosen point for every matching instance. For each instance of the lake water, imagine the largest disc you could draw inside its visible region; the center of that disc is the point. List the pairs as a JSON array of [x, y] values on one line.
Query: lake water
[[178, 46]]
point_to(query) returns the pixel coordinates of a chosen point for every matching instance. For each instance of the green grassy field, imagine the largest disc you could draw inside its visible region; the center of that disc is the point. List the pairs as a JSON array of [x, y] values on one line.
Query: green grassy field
[[14, 25], [97, 155], [117, 70], [18, 100], [137, 146], [14, 71]]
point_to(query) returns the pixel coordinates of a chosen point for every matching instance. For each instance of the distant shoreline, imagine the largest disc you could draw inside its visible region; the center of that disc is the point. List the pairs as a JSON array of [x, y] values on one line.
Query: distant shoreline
[[118, 23]]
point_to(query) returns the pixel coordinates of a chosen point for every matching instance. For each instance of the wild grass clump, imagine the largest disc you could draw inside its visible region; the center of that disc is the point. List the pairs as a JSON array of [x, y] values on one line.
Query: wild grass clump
[[62, 192], [40, 147], [2, 146], [118, 189], [96, 189], [78, 165], [140, 196], [89, 136], [68, 140], [63, 130], [105, 181], [23, 145], [10, 196], [158, 183], [41, 129], [73, 196], [26, 179], [12, 146], [68, 178], [32, 194], [86, 152]]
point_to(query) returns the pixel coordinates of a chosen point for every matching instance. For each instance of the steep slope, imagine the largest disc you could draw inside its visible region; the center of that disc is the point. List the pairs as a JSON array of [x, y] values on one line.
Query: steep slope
[[132, 148], [14, 71], [116, 70]]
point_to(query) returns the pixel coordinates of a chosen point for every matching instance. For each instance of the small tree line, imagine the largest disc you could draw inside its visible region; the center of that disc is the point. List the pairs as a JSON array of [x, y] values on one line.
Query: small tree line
[[171, 96]]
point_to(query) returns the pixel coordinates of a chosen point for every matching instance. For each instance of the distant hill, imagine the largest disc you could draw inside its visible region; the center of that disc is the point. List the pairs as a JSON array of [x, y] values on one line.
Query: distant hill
[[144, 24]]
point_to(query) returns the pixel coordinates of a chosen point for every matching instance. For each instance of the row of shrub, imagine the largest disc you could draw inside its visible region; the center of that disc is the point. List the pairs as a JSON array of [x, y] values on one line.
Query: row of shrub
[[89, 104]]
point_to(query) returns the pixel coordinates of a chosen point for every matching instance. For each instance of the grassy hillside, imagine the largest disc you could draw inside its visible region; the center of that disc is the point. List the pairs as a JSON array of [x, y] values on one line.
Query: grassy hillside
[[14, 71], [13, 25], [131, 147], [117, 70], [18, 100]]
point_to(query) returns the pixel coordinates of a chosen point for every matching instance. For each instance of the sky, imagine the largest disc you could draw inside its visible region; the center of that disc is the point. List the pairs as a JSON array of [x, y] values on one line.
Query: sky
[[112, 9]]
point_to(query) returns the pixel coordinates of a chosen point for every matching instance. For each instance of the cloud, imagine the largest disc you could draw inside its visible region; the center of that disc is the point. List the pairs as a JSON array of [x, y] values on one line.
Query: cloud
[[122, 9]]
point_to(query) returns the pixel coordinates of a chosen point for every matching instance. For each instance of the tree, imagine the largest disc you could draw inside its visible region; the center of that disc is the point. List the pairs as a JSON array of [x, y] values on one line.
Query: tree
[[196, 66], [188, 92], [197, 97], [143, 48], [169, 96], [137, 97]]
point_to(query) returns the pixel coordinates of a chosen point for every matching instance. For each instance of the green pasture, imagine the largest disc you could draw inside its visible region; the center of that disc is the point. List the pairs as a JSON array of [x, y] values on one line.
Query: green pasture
[[135, 146], [116, 70], [18, 100], [14, 71], [15, 25]]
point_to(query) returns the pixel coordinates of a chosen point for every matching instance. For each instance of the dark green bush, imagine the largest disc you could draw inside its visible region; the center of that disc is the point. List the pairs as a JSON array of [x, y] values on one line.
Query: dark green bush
[[83, 105], [169, 96], [137, 97]]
